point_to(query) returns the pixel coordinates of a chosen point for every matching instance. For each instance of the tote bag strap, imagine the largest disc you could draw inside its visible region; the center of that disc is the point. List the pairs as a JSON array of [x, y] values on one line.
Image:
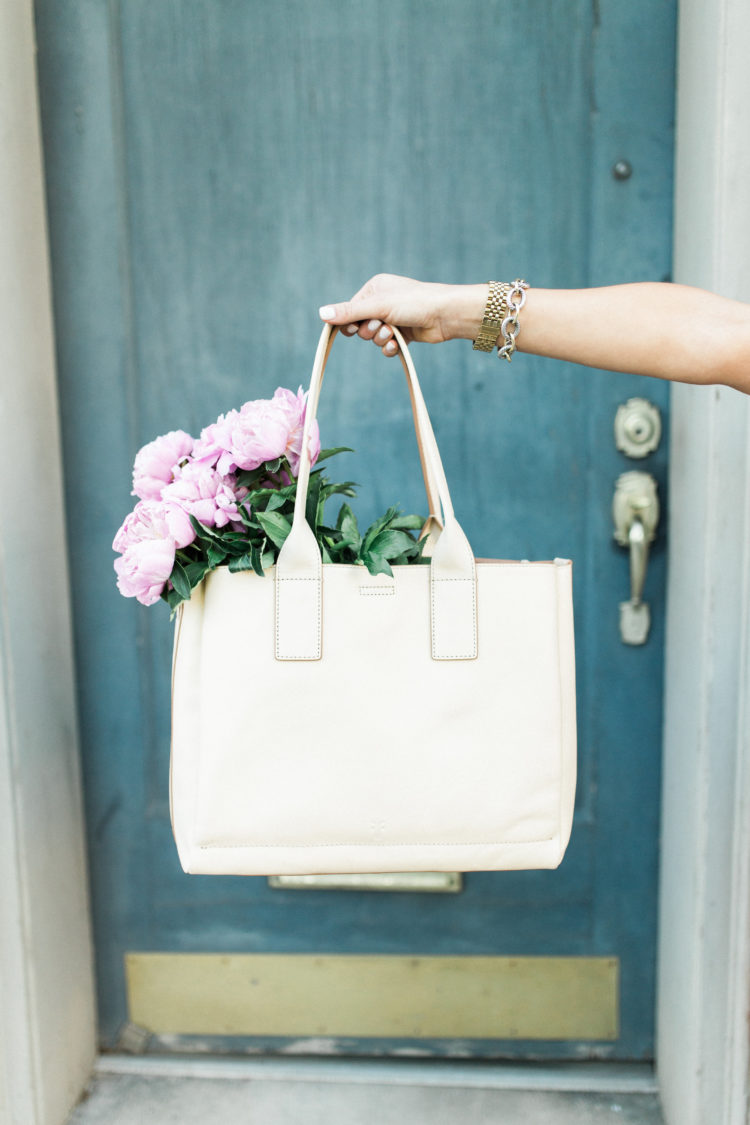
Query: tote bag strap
[[299, 569], [433, 524]]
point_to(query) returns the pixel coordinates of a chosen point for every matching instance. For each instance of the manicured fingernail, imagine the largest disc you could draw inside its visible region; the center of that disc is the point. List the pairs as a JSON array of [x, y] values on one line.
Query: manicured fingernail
[[326, 312], [373, 325], [384, 333], [390, 347], [351, 329]]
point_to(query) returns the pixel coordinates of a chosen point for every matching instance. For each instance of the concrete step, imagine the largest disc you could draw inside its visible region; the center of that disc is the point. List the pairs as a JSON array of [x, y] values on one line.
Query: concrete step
[[188, 1091]]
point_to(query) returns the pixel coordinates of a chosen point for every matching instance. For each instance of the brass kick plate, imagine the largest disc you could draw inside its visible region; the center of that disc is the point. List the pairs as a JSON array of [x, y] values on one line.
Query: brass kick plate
[[374, 996]]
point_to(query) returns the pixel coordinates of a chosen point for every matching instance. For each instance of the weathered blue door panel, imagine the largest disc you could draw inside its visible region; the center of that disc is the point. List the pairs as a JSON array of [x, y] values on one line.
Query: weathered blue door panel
[[215, 172]]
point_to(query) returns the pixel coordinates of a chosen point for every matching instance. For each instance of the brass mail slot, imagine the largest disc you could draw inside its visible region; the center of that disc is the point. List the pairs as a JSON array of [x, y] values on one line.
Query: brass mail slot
[[435, 882]]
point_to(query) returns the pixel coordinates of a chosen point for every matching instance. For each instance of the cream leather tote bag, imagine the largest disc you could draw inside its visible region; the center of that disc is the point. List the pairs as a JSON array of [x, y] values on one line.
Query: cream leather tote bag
[[328, 721]]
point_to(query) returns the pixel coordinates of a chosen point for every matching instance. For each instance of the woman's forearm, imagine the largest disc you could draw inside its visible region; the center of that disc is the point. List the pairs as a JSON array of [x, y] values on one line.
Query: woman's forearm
[[659, 329], [650, 328]]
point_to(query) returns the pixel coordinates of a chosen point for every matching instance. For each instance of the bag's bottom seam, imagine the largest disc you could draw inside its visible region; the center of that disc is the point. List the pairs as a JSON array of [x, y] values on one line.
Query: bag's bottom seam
[[305, 847]]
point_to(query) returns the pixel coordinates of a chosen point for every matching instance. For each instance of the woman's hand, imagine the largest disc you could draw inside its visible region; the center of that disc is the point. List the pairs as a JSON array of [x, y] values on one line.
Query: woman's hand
[[423, 311]]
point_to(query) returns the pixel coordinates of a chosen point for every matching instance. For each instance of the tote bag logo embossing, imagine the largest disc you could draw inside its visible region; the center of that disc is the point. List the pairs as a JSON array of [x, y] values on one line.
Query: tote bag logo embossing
[[328, 721]]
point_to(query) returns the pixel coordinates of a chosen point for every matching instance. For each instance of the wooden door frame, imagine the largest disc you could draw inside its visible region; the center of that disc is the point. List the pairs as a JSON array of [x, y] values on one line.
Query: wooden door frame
[[704, 927], [47, 1021], [704, 978]]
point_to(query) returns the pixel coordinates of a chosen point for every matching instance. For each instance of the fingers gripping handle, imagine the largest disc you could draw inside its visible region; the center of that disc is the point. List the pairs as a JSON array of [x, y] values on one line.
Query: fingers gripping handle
[[299, 568]]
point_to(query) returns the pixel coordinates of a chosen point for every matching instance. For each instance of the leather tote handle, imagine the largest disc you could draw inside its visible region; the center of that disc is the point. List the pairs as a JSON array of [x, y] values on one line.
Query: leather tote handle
[[299, 566], [433, 524], [436, 485]]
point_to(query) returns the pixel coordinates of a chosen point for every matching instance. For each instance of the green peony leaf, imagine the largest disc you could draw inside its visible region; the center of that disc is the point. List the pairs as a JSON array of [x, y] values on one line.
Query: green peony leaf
[[376, 564], [349, 528], [243, 562], [346, 488], [326, 453], [173, 599], [258, 497], [312, 508], [276, 526], [196, 572], [216, 554], [236, 547], [391, 544], [244, 515], [408, 523], [248, 478], [180, 581], [207, 534], [379, 525], [257, 561], [275, 501]]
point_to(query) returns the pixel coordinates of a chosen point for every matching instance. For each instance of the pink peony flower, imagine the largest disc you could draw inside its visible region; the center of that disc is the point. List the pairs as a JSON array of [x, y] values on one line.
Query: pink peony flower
[[148, 539], [208, 448], [293, 407], [155, 463], [176, 477], [144, 568], [256, 433], [262, 430], [228, 502], [154, 519], [204, 493]]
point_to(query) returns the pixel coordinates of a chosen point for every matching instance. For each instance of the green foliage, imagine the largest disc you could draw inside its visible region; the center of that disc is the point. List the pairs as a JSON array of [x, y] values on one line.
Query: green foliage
[[266, 516]]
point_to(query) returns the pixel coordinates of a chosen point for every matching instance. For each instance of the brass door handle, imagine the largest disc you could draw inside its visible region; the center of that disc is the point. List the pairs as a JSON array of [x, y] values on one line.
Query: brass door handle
[[635, 510]]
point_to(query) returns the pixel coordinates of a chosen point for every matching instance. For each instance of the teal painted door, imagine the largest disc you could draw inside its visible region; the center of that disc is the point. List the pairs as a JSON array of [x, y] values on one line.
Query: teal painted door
[[216, 170]]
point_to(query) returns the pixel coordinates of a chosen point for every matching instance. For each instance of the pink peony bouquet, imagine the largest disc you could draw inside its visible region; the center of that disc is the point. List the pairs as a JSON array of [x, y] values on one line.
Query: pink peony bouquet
[[227, 499]]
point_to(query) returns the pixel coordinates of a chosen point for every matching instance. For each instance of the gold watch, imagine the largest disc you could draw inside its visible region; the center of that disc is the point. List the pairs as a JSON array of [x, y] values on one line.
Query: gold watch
[[495, 313]]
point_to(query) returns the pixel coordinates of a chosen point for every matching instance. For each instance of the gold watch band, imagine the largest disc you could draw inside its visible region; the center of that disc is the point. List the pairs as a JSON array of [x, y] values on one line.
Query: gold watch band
[[495, 313]]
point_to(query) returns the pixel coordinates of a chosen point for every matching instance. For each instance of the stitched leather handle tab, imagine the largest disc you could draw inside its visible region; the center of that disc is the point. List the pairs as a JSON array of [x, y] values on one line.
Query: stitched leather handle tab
[[452, 570]]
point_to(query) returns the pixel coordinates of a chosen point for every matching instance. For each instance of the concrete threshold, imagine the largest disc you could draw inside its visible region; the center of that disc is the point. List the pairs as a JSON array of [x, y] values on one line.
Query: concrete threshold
[[588, 1077], [180, 1090]]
